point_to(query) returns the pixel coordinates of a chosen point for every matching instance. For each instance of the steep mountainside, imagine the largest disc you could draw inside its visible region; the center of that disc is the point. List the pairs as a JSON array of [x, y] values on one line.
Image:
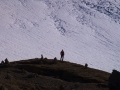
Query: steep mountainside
[[87, 30]]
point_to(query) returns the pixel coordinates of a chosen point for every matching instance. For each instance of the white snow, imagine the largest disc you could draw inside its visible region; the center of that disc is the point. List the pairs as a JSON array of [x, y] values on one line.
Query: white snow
[[29, 28]]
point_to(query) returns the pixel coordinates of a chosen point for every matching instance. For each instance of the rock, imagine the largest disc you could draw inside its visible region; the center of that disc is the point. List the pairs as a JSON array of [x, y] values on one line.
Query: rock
[[114, 80], [55, 60], [86, 65], [2, 62]]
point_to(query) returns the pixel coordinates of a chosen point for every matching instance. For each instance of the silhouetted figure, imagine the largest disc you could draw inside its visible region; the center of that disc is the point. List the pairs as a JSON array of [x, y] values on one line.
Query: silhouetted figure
[[54, 60], [6, 61], [62, 55], [41, 57], [86, 65], [114, 80], [2, 62]]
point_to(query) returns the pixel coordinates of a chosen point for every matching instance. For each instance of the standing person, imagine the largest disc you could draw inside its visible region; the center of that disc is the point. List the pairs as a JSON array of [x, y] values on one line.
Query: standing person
[[62, 55]]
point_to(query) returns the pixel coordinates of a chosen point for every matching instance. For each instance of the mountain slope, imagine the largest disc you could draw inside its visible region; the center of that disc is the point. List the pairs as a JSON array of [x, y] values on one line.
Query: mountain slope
[[49, 74], [87, 30]]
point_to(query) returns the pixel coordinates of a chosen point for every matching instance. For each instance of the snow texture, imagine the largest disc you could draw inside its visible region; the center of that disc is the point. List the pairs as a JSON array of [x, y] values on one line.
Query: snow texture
[[87, 30]]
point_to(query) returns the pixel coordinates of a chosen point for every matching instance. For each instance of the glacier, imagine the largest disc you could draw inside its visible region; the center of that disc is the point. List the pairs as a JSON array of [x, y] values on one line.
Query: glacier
[[87, 30]]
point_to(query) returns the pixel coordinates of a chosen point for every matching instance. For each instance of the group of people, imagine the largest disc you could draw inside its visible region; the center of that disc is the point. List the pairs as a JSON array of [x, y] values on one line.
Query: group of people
[[61, 53]]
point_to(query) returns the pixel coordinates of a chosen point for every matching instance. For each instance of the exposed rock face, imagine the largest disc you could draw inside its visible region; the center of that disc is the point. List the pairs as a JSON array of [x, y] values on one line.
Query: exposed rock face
[[114, 80]]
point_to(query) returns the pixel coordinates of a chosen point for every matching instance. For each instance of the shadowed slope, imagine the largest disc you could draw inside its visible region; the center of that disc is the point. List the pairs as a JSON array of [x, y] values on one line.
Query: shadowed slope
[[47, 74]]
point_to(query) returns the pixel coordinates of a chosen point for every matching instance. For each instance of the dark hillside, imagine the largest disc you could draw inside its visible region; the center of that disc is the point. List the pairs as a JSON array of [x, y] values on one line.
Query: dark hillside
[[37, 74]]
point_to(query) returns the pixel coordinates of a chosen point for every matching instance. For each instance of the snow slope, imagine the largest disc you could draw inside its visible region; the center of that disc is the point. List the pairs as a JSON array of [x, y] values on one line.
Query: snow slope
[[87, 30]]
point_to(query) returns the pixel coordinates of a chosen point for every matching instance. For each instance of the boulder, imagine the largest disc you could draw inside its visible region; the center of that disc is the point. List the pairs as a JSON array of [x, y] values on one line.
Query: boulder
[[114, 80]]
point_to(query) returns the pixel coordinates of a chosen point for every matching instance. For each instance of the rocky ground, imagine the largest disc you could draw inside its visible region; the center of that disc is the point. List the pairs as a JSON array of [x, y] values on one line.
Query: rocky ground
[[50, 74]]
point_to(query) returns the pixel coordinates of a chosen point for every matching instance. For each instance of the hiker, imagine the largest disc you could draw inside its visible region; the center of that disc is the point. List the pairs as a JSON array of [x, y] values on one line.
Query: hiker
[[62, 55], [6, 61], [41, 57], [2, 62]]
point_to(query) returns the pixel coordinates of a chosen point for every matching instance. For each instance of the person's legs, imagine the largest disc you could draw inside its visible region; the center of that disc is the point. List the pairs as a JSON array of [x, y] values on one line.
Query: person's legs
[[62, 58]]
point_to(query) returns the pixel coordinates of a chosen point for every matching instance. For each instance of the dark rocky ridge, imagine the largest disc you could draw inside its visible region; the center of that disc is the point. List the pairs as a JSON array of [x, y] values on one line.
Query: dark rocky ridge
[[49, 74]]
